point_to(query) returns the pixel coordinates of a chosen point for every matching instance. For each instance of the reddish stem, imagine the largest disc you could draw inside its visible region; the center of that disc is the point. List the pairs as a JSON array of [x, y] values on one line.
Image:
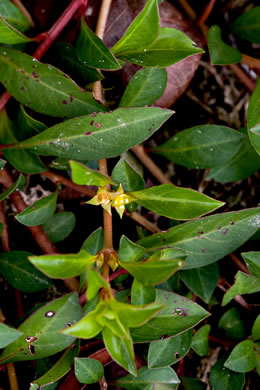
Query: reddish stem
[[207, 11], [51, 36], [116, 274]]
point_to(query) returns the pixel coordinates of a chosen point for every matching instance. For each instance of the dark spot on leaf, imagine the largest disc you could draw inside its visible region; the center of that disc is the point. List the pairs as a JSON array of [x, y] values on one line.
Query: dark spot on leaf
[[98, 125], [22, 88], [71, 98], [88, 133], [219, 227], [164, 239], [150, 129], [92, 123], [68, 324], [177, 311], [35, 74], [203, 250], [33, 207], [31, 349], [201, 232], [49, 314], [232, 223], [224, 232], [176, 355], [94, 114], [30, 339], [153, 124], [64, 101], [27, 78]]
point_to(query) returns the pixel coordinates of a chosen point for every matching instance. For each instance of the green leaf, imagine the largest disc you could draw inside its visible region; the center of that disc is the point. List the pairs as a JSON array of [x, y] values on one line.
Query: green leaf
[[232, 324], [33, 84], [142, 295], [141, 91], [123, 173], [253, 117], [193, 384], [175, 202], [170, 47], [252, 260], [21, 274], [149, 379], [220, 52], [42, 327], [9, 35], [244, 163], [28, 126], [129, 251], [13, 187], [242, 358], [141, 32], [98, 136], [2, 164], [247, 26], [13, 15], [221, 378], [179, 315], [244, 284], [22, 160], [71, 64], [208, 239], [152, 272], [200, 341], [95, 283], [59, 226], [63, 266], [94, 243], [121, 349], [60, 368], [256, 329], [163, 353], [39, 212], [8, 335], [88, 370], [92, 51], [202, 281], [81, 174], [203, 146]]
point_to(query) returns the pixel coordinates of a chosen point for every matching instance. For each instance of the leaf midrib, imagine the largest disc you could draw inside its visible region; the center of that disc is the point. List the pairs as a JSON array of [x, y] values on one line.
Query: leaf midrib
[[195, 147]]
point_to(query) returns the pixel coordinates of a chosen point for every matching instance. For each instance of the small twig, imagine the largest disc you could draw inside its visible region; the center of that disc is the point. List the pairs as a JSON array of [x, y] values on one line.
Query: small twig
[[24, 11], [238, 263], [37, 232], [187, 8], [250, 61], [12, 377], [207, 11], [247, 81], [150, 165], [4, 236], [143, 222], [225, 343], [238, 298]]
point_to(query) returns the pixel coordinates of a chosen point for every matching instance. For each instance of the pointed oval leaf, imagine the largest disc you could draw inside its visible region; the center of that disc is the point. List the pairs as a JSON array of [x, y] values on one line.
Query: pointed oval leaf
[[221, 378], [150, 379], [63, 266], [21, 274], [39, 212], [95, 242], [179, 314], [202, 281], [244, 284], [141, 32], [141, 91], [210, 238], [129, 251], [200, 341], [8, 335], [43, 329], [88, 370], [142, 295], [256, 329], [220, 52], [242, 358], [253, 118], [123, 173], [170, 47], [121, 349], [13, 15], [247, 25], [32, 83], [13, 187], [232, 323], [175, 202], [98, 136], [60, 368], [163, 353], [92, 51], [59, 226], [28, 126], [203, 146], [9, 35], [252, 260], [81, 174]]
